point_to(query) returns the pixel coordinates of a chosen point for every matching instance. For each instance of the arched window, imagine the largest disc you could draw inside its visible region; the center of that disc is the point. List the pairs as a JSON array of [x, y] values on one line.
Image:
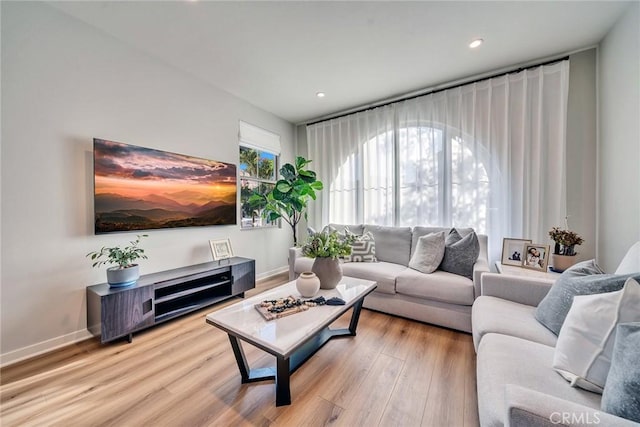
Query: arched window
[[417, 175]]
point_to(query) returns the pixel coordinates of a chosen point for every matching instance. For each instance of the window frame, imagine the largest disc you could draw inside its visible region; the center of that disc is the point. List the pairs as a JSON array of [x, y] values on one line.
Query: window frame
[[258, 181]]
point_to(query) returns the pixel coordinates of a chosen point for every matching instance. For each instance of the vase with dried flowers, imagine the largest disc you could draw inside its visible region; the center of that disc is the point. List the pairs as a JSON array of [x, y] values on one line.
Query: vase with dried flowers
[[564, 254]]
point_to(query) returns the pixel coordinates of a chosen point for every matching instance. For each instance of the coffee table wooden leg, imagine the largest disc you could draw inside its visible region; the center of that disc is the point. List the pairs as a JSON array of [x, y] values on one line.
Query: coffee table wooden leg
[[283, 390]]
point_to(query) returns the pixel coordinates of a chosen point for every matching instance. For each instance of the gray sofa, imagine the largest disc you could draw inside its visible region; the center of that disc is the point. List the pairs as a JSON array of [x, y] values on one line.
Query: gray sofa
[[517, 385], [441, 298]]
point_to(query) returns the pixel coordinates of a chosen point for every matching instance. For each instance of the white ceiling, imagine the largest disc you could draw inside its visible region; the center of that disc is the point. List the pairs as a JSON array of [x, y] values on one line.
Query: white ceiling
[[277, 55]]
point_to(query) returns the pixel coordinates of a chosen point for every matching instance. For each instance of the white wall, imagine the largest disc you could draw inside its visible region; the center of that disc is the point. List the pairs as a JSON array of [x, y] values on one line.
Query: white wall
[[619, 143], [64, 83], [582, 151]]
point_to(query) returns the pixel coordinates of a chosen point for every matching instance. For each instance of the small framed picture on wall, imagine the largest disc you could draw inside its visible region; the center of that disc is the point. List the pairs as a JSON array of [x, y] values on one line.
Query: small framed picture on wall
[[512, 250], [221, 249], [536, 256]]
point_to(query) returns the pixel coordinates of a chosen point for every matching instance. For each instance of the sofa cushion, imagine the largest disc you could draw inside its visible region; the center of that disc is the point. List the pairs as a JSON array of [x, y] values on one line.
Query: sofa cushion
[[585, 343], [363, 248], [553, 309], [506, 360], [429, 252], [393, 244], [418, 232], [492, 314], [384, 273], [302, 264], [621, 395], [439, 286], [460, 253]]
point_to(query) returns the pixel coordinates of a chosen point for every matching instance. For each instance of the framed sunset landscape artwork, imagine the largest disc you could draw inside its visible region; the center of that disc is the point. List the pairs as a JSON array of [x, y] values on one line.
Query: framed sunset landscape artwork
[[137, 188]]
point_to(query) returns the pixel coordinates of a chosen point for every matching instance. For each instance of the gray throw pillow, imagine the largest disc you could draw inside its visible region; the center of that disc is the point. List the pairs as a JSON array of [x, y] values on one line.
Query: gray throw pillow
[[621, 394], [582, 279], [429, 252], [363, 249], [460, 253]]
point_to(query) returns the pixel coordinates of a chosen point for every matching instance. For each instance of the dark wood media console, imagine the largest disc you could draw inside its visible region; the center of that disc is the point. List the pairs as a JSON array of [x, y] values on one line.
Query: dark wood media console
[[114, 313]]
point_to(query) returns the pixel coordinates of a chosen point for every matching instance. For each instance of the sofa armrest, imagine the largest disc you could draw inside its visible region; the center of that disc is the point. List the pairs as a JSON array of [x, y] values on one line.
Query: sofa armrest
[[523, 290], [293, 254], [529, 408], [481, 266]]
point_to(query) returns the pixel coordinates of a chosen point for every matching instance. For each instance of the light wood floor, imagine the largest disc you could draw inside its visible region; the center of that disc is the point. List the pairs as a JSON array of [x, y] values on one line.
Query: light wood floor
[[395, 372]]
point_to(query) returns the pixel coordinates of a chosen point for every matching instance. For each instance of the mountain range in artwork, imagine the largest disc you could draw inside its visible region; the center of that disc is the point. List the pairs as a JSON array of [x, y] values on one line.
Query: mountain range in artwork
[[139, 188]]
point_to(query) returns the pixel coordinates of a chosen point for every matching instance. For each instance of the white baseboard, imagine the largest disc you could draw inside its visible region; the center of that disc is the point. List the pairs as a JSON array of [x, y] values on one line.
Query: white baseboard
[[268, 274], [34, 350]]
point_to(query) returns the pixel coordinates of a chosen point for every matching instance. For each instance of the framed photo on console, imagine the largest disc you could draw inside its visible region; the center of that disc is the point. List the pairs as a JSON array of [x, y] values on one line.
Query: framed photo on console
[[512, 250], [221, 249], [536, 256]]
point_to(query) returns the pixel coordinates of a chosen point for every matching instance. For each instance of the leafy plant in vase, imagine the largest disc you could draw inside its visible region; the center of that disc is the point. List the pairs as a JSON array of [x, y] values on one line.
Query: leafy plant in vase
[[327, 247], [124, 272], [564, 254]]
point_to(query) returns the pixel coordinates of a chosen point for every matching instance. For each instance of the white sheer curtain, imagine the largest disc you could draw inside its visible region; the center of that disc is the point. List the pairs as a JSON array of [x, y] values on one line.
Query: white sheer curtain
[[489, 155]]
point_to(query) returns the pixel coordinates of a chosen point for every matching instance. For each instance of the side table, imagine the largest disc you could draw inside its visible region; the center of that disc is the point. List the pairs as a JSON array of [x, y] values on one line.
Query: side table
[[513, 270]]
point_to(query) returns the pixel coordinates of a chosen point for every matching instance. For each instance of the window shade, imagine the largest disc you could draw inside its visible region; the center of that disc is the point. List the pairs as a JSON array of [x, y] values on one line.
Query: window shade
[[259, 139]]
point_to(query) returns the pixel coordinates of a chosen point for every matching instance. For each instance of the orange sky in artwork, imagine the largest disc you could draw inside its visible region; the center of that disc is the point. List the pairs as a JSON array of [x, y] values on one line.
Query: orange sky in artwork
[[181, 192]]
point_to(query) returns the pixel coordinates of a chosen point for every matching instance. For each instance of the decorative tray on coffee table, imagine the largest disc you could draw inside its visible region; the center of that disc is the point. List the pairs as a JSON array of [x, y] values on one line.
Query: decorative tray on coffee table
[[281, 307]]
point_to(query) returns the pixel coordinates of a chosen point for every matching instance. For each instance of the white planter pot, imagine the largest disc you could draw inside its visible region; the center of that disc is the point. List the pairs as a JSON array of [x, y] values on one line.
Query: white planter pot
[[308, 284], [120, 277]]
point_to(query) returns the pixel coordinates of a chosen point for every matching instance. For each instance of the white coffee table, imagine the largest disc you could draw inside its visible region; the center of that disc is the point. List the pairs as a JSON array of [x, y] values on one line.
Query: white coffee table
[[291, 339]]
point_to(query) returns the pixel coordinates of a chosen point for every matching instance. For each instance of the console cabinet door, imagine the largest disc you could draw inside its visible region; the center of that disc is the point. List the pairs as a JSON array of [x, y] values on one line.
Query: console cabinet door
[[244, 277], [125, 312]]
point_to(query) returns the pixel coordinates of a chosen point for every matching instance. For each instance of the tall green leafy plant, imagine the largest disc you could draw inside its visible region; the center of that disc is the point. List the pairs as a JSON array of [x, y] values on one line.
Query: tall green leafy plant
[[288, 199]]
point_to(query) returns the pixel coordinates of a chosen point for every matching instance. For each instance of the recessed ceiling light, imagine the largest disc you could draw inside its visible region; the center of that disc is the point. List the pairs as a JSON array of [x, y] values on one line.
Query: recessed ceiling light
[[320, 94], [475, 43]]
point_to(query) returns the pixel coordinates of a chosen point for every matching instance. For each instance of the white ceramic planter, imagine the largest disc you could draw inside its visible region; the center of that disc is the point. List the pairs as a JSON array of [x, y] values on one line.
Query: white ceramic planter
[[120, 277], [308, 284]]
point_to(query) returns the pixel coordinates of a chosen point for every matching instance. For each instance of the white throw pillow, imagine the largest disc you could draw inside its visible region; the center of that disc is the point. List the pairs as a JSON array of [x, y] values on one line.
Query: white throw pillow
[[429, 253], [363, 249], [585, 343], [631, 261]]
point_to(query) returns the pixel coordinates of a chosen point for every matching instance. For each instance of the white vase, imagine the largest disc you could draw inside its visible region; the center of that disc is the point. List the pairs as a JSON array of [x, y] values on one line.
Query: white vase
[[308, 284], [120, 277]]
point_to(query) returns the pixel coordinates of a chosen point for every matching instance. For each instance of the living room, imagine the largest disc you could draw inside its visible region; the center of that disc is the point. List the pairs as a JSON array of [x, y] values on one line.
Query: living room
[[66, 81]]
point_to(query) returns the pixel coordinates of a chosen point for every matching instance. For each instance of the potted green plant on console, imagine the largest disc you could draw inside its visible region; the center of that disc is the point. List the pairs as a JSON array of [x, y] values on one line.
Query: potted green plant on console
[[124, 272], [564, 253]]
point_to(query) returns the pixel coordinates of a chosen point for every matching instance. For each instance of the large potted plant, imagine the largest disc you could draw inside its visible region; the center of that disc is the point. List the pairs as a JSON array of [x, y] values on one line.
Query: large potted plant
[[123, 272], [288, 199], [564, 253], [327, 247]]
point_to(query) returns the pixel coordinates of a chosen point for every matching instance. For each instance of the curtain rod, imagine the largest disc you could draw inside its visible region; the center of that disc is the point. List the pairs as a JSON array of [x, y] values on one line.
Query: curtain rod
[[406, 98]]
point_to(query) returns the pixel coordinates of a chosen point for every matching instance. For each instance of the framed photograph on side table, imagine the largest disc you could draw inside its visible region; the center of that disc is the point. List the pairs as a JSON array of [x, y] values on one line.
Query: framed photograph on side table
[[221, 249], [512, 250], [536, 256]]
